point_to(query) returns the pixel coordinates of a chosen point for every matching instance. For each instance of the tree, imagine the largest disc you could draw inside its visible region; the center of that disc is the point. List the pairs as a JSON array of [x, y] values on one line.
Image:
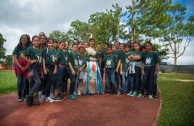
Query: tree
[[58, 35], [2, 49], [179, 33]]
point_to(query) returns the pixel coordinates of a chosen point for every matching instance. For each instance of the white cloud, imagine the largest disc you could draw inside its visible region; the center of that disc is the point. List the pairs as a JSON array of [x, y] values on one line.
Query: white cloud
[[33, 16]]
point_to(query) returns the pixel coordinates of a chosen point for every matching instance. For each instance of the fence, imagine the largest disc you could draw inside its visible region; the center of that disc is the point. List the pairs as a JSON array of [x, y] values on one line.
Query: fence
[[189, 69]]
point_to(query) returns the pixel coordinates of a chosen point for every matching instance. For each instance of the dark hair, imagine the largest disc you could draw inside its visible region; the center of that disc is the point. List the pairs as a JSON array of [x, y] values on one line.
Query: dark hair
[[106, 43], [35, 36], [127, 45], [117, 42], [62, 42], [19, 46], [81, 47], [42, 34], [50, 39], [91, 39], [109, 46], [73, 45], [148, 42], [137, 43]]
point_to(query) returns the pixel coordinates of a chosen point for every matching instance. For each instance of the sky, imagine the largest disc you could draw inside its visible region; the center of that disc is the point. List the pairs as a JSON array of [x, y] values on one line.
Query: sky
[[31, 17]]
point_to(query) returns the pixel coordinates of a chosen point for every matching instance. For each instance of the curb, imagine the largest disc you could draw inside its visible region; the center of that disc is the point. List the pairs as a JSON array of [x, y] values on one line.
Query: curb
[[159, 109]]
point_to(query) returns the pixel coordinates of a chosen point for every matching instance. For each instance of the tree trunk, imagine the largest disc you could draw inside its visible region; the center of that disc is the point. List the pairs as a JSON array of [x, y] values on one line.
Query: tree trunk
[[175, 54]]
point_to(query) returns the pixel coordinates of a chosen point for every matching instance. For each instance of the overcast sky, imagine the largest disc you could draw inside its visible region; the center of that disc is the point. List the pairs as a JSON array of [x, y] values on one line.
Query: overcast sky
[[19, 17]]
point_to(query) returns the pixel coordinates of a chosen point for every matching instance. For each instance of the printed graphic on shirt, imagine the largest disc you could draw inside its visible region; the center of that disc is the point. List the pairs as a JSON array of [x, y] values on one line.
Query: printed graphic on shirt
[[108, 62], [148, 60]]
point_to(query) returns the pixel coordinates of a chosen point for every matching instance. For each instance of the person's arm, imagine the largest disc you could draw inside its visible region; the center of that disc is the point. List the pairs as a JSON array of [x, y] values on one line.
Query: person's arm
[[44, 66], [55, 69], [121, 69], [71, 68], [82, 67], [23, 56], [142, 69], [118, 65], [156, 71], [16, 62]]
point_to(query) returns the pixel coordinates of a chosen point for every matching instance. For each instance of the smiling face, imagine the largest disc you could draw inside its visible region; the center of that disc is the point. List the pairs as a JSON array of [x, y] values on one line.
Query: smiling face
[[50, 44], [148, 47], [136, 47], [24, 39], [35, 41], [62, 46]]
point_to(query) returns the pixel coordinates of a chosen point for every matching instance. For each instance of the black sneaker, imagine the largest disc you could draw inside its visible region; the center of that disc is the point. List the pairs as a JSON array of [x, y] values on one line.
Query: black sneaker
[[62, 96], [28, 101], [35, 103], [117, 94], [58, 99]]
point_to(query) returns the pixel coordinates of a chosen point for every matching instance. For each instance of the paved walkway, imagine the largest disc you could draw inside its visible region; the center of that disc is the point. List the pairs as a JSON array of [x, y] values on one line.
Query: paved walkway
[[95, 110]]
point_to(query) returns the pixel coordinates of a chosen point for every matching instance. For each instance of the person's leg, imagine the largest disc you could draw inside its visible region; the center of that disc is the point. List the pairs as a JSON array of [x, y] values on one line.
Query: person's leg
[[123, 89], [137, 81], [72, 87], [19, 87], [144, 81], [108, 88], [113, 81], [155, 94], [58, 80], [151, 82]]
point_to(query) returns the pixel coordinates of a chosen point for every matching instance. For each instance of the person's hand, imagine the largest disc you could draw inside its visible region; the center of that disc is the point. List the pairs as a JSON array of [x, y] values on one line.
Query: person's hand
[[33, 61], [55, 71], [121, 73], [73, 72], [155, 73], [45, 72], [80, 69], [143, 73]]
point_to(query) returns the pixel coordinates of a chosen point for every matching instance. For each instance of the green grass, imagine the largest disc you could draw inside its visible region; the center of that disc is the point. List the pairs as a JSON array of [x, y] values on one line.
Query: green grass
[[177, 100], [7, 81]]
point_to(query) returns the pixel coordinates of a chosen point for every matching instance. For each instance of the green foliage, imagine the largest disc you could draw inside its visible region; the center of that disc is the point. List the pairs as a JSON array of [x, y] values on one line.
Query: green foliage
[[9, 60], [177, 100], [58, 35], [2, 49]]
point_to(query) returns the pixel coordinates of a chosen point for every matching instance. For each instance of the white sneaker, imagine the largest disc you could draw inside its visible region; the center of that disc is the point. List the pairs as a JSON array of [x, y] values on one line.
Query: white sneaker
[[74, 92], [79, 93], [49, 99], [42, 98], [52, 95]]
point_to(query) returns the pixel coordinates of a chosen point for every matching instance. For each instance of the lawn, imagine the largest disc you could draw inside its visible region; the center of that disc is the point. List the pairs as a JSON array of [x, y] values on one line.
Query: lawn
[[177, 100], [7, 81], [177, 97]]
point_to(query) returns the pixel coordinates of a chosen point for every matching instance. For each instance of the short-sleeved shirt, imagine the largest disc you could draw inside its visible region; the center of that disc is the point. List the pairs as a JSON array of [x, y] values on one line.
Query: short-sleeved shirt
[[18, 51], [73, 59], [49, 56], [125, 61], [117, 54], [150, 59], [110, 61], [62, 57], [34, 54]]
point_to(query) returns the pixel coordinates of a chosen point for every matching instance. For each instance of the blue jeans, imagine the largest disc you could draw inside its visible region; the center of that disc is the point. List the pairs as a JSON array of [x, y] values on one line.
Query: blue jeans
[[130, 81], [137, 81], [148, 75], [110, 79], [49, 80], [37, 82], [124, 82], [21, 82], [59, 76], [72, 84]]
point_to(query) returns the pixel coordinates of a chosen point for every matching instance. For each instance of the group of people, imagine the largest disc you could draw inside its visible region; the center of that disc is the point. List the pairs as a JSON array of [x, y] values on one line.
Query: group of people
[[45, 66]]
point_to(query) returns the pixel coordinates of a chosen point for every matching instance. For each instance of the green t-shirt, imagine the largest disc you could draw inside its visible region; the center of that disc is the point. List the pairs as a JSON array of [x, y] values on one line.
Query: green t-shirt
[[73, 59], [125, 61], [81, 60], [34, 54], [62, 57], [150, 59], [48, 55], [18, 51], [117, 55], [110, 61]]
